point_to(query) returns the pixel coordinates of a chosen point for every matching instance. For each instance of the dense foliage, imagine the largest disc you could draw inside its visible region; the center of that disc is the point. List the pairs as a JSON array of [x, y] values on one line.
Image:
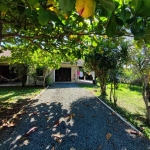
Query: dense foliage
[[55, 24]]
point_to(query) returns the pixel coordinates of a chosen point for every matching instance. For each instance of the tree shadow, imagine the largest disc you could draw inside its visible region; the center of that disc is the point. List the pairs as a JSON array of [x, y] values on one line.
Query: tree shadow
[[131, 117], [136, 88], [64, 85], [9, 93], [82, 85], [84, 125], [11, 109], [12, 101]]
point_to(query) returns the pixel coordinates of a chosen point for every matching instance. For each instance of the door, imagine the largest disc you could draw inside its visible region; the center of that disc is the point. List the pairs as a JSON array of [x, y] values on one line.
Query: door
[[63, 75]]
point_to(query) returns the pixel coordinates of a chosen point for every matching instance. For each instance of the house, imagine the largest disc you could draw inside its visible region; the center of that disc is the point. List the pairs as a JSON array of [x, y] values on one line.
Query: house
[[66, 73]]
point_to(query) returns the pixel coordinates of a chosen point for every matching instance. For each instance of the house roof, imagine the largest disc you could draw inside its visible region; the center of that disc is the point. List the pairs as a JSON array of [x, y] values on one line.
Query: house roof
[[6, 53]]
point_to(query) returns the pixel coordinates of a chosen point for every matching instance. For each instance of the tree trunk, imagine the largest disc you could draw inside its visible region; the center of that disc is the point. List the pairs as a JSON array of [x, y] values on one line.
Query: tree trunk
[[114, 94], [102, 80], [148, 115], [103, 89], [44, 75], [1, 28], [145, 98], [23, 80], [111, 91]]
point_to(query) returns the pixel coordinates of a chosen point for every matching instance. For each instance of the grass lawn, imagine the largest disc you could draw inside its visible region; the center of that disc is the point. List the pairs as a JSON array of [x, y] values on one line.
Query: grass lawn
[[130, 104], [11, 95], [12, 99]]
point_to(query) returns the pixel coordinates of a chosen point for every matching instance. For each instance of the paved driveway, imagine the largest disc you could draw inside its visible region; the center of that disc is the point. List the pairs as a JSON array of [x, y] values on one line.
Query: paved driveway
[[67, 117]]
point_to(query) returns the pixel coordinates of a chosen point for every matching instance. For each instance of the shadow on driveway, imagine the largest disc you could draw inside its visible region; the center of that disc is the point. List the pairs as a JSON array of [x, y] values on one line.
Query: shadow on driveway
[[85, 124]]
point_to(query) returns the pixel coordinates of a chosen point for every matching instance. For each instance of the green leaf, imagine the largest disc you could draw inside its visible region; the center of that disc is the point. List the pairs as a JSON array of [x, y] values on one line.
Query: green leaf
[[120, 33], [140, 43], [107, 4], [141, 33], [138, 33], [21, 8], [54, 17], [79, 55], [147, 3], [43, 17], [99, 28], [80, 19], [111, 27], [118, 21], [62, 5], [103, 12], [116, 4], [3, 7], [123, 14], [133, 30], [66, 5], [136, 3], [147, 35], [94, 43], [143, 11], [32, 2], [131, 20]]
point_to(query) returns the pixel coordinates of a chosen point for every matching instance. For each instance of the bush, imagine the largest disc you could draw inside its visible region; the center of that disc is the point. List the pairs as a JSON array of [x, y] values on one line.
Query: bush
[[137, 82]]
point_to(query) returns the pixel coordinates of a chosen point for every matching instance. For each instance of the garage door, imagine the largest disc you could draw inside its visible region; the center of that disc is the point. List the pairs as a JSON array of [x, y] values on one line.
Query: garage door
[[63, 75]]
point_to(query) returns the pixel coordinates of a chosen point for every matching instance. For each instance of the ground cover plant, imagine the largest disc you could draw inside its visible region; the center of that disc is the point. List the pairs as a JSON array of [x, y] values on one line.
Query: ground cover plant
[[130, 104]]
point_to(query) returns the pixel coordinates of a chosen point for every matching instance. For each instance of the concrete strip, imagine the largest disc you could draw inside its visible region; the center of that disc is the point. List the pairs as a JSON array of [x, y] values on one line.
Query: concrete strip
[[120, 116]]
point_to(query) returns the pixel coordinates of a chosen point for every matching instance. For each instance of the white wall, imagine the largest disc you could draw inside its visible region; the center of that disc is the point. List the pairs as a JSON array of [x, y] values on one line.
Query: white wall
[[73, 67]]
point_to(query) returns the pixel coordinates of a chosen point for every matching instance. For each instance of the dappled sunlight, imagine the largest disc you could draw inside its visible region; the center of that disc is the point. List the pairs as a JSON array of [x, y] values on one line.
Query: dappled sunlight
[[50, 122]]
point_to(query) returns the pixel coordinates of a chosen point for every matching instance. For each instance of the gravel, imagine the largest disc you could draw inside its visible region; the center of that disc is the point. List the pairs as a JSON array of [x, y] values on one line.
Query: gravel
[[71, 118]]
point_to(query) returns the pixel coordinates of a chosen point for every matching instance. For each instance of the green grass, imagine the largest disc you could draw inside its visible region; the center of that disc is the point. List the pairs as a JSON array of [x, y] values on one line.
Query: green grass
[[130, 104], [130, 99], [11, 95]]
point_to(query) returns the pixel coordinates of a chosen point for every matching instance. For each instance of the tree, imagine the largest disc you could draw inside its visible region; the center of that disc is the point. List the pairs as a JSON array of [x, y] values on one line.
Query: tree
[[106, 59], [140, 60], [27, 55], [55, 25], [22, 71], [118, 59], [49, 23]]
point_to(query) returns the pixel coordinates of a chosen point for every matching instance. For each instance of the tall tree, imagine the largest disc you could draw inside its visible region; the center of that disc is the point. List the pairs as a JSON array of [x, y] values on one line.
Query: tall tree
[[106, 57], [140, 60], [118, 58]]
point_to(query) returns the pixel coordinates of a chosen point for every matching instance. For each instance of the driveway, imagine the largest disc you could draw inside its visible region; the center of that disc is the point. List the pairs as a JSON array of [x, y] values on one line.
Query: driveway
[[67, 117]]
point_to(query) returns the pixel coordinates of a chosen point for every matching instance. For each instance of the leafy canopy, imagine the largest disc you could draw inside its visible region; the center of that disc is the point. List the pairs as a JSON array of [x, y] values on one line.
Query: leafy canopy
[[56, 27]]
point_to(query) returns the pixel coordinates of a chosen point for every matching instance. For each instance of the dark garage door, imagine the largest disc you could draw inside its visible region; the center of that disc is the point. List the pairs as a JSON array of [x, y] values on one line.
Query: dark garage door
[[63, 74]]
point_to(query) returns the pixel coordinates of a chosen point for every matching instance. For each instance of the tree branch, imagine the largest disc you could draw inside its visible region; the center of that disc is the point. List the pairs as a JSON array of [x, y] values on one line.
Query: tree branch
[[9, 35], [1, 28]]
